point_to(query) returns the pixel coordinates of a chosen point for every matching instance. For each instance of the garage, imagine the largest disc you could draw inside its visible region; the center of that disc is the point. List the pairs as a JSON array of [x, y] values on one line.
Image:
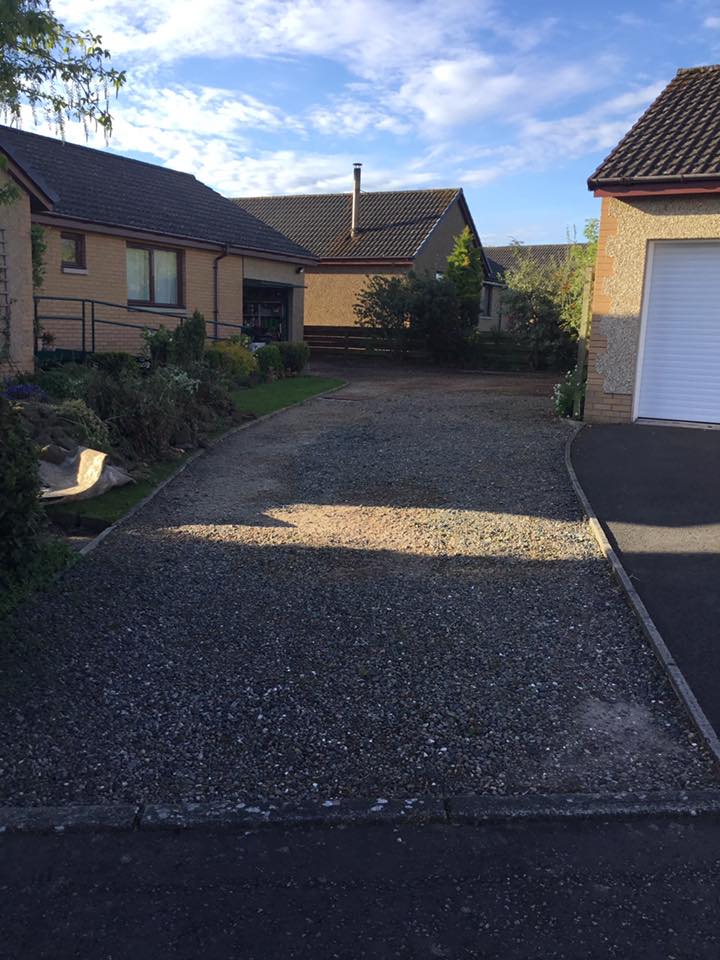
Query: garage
[[679, 356]]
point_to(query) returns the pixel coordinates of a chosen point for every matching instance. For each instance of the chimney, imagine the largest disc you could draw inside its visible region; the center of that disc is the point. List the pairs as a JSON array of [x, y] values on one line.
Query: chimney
[[355, 223]]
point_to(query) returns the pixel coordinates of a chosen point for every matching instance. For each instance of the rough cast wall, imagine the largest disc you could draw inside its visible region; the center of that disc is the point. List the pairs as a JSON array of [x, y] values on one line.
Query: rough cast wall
[[106, 279], [626, 226], [433, 256], [15, 222], [331, 292]]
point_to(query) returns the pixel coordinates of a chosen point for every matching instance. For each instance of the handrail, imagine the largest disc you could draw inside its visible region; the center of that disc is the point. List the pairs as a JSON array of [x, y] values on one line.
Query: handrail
[[93, 319]]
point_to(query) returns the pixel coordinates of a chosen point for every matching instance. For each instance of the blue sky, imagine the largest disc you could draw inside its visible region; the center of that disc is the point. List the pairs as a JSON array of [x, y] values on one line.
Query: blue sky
[[515, 102]]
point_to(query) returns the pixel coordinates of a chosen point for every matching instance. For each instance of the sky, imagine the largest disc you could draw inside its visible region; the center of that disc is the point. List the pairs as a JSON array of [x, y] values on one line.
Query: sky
[[515, 102]]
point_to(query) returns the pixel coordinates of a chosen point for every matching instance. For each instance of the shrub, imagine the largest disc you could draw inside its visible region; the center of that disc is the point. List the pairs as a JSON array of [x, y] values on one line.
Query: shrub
[[567, 391], [294, 356], [231, 360], [90, 428], [20, 513], [383, 306], [495, 350], [158, 343], [114, 362], [269, 361], [67, 382], [188, 341], [437, 317]]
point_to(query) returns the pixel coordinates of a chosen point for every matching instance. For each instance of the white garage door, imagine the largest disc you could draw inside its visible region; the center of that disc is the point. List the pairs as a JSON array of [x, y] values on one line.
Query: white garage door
[[680, 354]]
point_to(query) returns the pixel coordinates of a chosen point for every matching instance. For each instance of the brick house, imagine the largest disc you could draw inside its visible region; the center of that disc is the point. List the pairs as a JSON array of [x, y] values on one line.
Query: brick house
[[359, 235], [16, 292], [654, 350], [135, 237]]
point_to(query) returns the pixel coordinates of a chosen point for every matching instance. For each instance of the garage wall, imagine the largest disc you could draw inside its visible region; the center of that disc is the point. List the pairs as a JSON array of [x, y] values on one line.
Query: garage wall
[[17, 354], [626, 226]]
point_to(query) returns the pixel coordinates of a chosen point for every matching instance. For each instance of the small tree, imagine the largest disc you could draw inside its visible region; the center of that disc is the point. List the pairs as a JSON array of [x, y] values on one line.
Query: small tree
[[465, 271], [581, 257], [385, 307]]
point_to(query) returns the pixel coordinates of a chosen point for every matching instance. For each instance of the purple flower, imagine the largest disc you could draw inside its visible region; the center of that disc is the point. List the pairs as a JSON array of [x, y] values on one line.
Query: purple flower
[[25, 391]]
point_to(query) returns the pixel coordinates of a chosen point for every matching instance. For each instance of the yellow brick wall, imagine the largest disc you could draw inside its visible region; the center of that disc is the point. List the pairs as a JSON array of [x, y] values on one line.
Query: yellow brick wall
[[106, 279], [602, 407], [15, 222]]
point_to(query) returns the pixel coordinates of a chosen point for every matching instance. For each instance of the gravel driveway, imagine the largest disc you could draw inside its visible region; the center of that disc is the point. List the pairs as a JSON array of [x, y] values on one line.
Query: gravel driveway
[[387, 592]]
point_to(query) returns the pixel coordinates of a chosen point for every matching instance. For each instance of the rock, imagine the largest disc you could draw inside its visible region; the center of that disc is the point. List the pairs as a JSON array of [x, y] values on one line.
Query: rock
[[52, 453]]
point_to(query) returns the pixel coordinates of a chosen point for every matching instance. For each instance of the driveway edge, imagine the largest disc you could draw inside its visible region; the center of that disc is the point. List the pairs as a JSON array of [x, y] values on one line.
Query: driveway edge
[[682, 688], [454, 811]]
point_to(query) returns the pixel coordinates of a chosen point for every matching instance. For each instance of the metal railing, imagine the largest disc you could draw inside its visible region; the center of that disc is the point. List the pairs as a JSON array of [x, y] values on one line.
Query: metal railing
[[87, 315]]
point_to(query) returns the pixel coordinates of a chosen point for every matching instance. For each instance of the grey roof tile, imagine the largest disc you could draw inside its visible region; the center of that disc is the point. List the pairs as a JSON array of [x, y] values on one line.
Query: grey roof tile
[[677, 138], [106, 188], [393, 224]]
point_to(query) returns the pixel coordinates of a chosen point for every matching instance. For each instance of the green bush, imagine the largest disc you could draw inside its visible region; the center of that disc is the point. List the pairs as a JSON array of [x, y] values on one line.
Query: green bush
[[269, 361], [231, 360], [20, 512], [114, 362], [495, 350], [158, 343], [567, 391], [188, 341], [67, 382], [295, 356], [93, 432]]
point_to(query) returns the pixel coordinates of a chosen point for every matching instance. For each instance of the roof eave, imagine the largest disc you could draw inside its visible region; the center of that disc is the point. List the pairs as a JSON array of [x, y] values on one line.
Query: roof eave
[[62, 219]]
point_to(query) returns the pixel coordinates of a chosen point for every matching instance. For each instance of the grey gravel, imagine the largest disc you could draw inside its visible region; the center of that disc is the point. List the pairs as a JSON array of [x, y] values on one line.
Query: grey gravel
[[390, 593]]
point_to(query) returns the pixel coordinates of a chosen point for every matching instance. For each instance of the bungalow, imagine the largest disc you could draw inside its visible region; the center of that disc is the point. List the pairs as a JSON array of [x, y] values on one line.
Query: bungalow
[[125, 239], [359, 235], [654, 351]]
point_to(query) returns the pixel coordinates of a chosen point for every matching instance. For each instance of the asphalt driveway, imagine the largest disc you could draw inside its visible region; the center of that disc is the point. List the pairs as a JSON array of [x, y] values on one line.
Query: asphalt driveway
[[388, 592], [656, 490]]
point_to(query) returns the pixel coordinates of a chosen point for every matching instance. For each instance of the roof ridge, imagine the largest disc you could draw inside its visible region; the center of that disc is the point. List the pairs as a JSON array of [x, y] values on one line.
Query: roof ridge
[[343, 193], [105, 152], [700, 69]]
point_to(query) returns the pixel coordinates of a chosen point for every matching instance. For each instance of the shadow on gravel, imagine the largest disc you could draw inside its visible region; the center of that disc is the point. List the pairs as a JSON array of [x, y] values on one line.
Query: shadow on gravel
[[312, 673]]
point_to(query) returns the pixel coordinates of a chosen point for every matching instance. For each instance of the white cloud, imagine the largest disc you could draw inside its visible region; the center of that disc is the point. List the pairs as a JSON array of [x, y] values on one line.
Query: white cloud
[[540, 143], [712, 23]]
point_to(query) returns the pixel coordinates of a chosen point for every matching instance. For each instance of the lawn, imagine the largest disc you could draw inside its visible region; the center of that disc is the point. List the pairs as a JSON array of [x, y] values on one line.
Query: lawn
[[260, 400], [268, 397]]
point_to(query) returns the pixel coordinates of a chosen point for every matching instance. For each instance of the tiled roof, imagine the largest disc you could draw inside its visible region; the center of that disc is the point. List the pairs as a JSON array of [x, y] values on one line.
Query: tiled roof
[[105, 188], [393, 224], [677, 138], [546, 254]]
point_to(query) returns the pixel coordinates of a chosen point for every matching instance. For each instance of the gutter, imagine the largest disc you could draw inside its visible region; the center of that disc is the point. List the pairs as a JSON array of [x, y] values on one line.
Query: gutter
[[216, 261]]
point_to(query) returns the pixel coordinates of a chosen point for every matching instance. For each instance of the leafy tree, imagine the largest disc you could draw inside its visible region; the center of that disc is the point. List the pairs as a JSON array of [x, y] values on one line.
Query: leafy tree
[[544, 302], [465, 271], [63, 74]]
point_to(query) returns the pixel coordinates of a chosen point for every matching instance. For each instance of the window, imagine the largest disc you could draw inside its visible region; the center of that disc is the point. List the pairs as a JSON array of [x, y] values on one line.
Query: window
[[154, 276], [72, 247]]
